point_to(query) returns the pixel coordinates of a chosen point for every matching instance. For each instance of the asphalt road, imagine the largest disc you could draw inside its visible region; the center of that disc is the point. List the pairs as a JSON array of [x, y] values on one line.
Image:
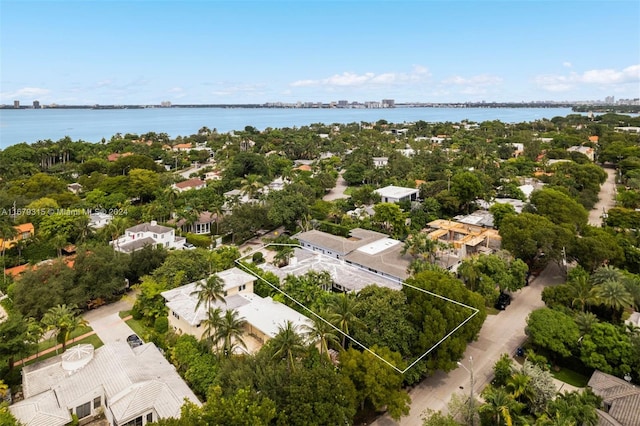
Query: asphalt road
[[607, 198], [337, 191]]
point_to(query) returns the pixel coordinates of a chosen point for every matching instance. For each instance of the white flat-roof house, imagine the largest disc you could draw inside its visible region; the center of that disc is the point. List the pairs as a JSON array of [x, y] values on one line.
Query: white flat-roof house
[[380, 162], [263, 315], [145, 234], [131, 387], [395, 194], [372, 251]]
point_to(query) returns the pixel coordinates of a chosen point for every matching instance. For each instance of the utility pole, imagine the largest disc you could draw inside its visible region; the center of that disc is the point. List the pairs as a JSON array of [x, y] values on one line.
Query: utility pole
[[469, 370]]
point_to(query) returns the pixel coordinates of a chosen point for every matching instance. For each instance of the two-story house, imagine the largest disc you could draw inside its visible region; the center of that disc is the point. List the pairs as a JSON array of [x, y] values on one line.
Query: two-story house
[[145, 234]]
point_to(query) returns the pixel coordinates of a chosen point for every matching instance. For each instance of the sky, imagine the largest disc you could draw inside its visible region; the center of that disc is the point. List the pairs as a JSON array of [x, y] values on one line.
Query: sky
[[219, 52]]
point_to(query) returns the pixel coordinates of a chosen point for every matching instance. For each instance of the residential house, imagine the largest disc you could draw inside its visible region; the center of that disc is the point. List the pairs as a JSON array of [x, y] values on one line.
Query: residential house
[[215, 175], [99, 220], [396, 194], [462, 240], [24, 231], [203, 225], [620, 400], [369, 250], [379, 162], [129, 386], [263, 316], [145, 234], [585, 150], [195, 183], [115, 156], [182, 147]]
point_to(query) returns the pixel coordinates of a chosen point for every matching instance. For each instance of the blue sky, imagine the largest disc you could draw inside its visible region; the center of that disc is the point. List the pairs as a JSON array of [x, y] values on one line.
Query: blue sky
[[145, 52]]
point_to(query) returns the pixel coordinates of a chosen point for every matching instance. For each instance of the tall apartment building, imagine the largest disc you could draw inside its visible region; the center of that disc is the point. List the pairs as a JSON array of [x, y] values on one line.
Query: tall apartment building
[[388, 103]]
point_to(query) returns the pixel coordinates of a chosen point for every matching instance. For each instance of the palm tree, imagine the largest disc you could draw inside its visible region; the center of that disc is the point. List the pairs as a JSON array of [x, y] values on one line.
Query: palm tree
[[63, 320], [584, 321], [117, 227], [606, 273], [83, 228], [614, 295], [211, 326], [59, 242], [287, 343], [281, 258], [230, 331], [34, 333], [321, 332], [580, 291], [341, 314], [251, 185], [209, 291], [519, 386], [500, 406]]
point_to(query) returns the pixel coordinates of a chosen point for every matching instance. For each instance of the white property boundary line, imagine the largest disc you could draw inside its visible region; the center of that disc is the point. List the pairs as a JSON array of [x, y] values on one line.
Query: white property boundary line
[[474, 310]]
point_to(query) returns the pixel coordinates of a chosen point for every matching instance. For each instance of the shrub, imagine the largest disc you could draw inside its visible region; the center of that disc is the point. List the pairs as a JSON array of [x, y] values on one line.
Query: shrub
[[161, 325], [203, 241], [258, 258]]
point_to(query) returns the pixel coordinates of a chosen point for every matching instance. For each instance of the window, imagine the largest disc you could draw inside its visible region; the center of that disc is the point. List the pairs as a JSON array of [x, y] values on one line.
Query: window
[[242, 287], [135, 422], [175, 315], [149, 417], [96, 403], [155, 236], [83, 410]]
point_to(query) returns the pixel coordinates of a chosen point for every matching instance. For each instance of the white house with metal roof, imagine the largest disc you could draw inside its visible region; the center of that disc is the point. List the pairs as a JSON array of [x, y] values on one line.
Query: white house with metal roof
[[263, 315], [130, 386], [396, 194], [145, 234]]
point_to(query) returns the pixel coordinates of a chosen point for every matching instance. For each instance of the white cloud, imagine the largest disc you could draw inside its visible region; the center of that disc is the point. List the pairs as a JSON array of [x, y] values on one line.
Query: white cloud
[[350, 79], [25, 92], [601, 77], [476, 80], [567, 64]]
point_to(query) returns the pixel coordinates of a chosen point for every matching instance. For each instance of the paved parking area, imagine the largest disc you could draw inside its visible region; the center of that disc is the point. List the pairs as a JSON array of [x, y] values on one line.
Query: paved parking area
[[106, 322]]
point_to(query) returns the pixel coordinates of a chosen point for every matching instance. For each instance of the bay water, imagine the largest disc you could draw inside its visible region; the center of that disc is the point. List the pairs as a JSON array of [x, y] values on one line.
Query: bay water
[[91, 125]]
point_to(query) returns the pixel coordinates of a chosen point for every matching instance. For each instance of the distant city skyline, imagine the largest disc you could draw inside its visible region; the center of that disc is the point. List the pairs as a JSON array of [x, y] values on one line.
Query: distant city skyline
[[218, 52]]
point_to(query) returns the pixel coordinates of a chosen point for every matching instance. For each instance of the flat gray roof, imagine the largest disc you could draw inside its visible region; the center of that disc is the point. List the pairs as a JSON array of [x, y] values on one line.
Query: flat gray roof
[[347, 276]]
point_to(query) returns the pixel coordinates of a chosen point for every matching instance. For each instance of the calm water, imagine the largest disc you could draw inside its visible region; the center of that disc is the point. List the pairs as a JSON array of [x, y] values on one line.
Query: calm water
[[31, 125]]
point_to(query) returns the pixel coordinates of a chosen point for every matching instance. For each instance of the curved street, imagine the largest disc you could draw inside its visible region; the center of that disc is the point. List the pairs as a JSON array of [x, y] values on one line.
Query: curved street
[[502, 333]]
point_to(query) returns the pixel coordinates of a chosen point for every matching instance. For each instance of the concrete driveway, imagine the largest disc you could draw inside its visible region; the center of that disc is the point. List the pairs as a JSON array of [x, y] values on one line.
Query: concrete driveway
[[106, 322]]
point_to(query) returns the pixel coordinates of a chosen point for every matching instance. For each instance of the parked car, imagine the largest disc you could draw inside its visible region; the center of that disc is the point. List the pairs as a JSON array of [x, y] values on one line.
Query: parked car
[[504, 300], [189, 246], [134, 341]]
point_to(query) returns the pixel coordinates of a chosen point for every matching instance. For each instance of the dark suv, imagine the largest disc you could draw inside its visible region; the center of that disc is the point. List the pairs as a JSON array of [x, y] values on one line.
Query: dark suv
[[134, 341], [504, 300]]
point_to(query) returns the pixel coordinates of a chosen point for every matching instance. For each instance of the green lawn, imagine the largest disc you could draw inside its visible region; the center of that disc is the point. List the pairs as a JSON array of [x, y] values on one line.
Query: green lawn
[[349, 190], [93, 340], [49, 343], [571, 377], [124, 314]]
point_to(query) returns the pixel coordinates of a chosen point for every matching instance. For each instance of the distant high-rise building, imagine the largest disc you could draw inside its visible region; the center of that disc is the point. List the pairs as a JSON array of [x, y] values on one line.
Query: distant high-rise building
[[16, 104], [343, 103], [388, 103], [36, 104], [609, 100], [165, 104]]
